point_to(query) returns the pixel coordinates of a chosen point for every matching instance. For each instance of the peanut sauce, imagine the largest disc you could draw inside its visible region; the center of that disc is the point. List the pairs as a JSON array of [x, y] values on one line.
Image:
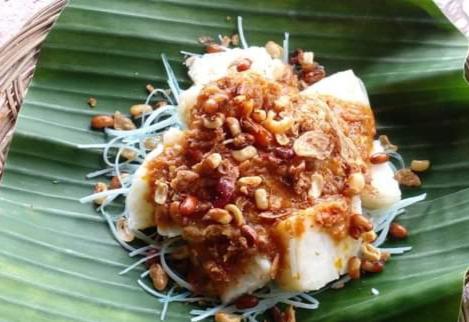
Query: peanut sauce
[[238, 119]]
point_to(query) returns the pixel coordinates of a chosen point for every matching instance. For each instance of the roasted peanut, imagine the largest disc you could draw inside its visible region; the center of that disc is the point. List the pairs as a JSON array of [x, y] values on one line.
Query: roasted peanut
[[116, 183], [262, 136], [306, 58], [227, 317], [369, 236], [246, 301], [312, 73], [252, 181], [262, 199], [102, 121], [398, 231], [123, 230], [258, 115], [214, 122], [370, 252], [243, 65], [151, 142], [210, 106], [274, 49], [139, 109], [161, 192], [212, 161], [277, 126], [158, 277], [236, 213], [419, 165], [188, 206], [100, 187], [378, 158], [407, 178], [372, 267], [92, 102], [250, 234], [244, 154], [358, 225], [122, 122], [362, 222], [129, 154], [184, 179], [356, 183], [353, 267], [282, 139], [233, 125], [218, 215]]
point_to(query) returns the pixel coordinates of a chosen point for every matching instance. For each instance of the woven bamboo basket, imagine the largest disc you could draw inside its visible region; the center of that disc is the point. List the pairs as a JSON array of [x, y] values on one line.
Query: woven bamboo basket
[[18, 59]]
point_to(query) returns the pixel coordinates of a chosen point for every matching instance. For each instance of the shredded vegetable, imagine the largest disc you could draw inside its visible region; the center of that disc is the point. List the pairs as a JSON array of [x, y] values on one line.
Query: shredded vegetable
[[142, 250], [386, 217], [285, 47], [396, 156], [172, 81], [242, 39], [168, 270], [137, 263]]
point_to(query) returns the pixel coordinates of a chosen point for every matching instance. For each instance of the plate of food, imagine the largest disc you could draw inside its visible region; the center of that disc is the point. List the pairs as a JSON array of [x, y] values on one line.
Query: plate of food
[[200, 161]]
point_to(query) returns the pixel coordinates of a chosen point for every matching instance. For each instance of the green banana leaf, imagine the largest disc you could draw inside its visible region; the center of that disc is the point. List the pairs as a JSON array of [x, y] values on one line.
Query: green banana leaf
[[58, 260]]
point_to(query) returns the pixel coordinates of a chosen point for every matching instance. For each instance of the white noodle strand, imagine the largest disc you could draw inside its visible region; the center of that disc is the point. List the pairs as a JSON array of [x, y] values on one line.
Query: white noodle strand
[[285, 47], [168, 270], [242, 39], [137, 263]]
